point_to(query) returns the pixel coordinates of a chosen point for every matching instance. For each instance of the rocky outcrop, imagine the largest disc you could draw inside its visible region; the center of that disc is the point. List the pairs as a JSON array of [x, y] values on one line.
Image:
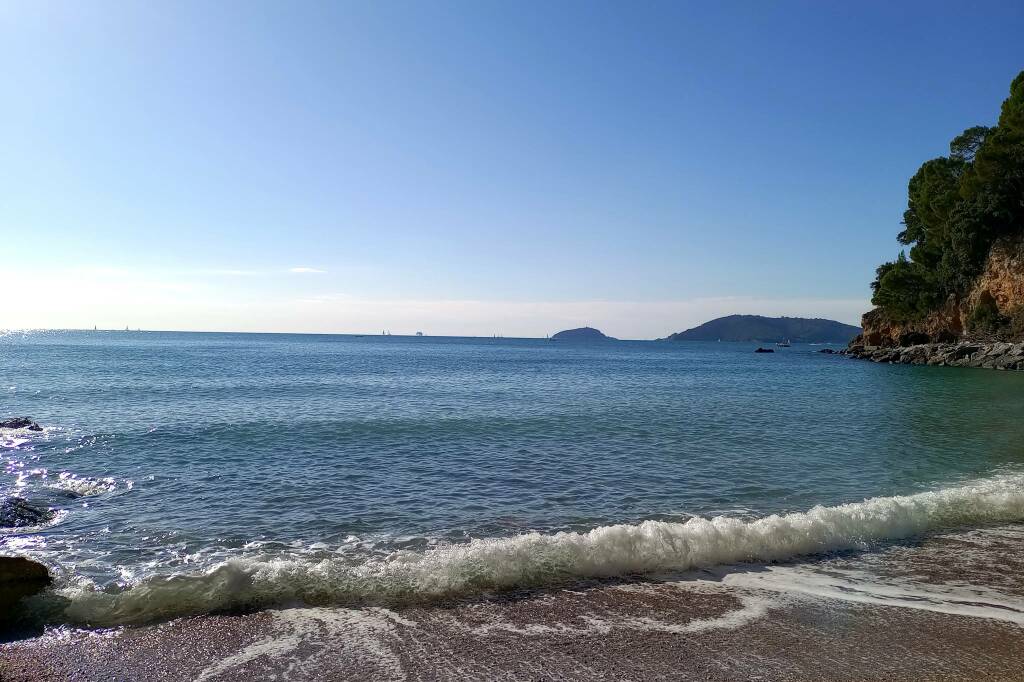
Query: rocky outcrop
[[999, 355], [20, 423], [16, 512], [1000, 287], [20, 578], [945, 325], [764, 350], [1003, 277], [16, 569]]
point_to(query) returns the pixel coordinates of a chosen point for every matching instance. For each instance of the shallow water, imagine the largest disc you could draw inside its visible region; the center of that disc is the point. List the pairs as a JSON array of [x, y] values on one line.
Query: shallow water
[[334, 468]]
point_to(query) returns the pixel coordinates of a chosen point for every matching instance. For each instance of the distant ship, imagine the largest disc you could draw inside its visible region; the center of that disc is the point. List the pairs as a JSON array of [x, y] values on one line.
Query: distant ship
[[419, 333], [784, 343]]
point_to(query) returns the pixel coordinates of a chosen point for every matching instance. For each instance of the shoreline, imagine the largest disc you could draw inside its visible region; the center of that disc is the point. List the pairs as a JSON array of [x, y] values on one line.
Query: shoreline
[[946, 607], [996, 355]]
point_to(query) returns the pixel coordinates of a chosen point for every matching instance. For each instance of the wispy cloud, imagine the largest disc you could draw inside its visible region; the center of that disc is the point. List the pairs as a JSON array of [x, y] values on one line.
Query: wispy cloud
[[307, 271]]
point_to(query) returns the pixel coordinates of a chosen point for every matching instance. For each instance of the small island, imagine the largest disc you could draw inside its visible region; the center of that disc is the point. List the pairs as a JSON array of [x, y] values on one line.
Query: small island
[[761, 329], [581, 334]]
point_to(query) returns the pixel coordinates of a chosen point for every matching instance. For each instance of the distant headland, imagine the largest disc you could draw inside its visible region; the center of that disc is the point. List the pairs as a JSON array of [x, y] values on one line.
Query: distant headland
[[955, 296], [769, 329], [961, 278], [581, 334]]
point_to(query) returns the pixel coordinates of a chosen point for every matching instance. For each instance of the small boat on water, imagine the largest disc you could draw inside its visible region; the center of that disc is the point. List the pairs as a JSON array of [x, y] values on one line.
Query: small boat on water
[[784, 343]]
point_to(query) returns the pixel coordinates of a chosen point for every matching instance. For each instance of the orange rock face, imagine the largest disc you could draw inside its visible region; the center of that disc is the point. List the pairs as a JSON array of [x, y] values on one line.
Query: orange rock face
[[1002, 282], [1003, 277]]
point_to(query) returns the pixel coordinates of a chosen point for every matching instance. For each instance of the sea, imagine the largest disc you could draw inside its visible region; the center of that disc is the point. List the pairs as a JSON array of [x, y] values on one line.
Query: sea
[[193, 473]]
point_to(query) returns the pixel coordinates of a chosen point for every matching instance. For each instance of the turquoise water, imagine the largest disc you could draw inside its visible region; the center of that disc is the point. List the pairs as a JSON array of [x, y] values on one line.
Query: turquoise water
[[243, 469]]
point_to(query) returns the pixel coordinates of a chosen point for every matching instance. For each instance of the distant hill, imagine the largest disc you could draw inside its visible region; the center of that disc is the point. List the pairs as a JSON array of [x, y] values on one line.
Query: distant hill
[[581, 334], [769, 329]]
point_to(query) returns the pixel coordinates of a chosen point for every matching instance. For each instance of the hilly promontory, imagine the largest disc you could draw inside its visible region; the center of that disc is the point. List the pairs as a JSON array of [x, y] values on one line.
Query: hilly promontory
[[954, 295], [769, 329], [960, 275], [581, 334]]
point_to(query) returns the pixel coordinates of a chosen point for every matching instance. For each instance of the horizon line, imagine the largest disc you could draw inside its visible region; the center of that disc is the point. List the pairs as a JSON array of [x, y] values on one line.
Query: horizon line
[[414, 335]]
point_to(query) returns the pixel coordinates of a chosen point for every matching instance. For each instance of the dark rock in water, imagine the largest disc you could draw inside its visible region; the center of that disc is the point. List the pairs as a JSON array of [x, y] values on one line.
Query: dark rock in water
[[20, 578], [20, 423], [16, 512], [16, 569], [764, 350], [1002, 355], [827, 351]]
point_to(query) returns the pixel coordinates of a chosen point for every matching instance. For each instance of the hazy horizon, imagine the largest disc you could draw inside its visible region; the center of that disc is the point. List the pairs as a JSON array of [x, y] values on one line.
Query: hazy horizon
[[471, 169], [375, 332]]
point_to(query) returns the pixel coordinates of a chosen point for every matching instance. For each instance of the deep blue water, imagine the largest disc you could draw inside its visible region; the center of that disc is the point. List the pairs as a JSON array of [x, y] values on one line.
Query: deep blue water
[[195, 448]]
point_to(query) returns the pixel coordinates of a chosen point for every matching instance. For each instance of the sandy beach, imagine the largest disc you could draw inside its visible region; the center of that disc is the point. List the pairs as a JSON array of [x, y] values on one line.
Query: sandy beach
[[950, 607]]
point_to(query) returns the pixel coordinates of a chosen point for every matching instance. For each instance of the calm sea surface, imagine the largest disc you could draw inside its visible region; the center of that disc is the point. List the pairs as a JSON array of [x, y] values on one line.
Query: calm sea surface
[[172, 453]]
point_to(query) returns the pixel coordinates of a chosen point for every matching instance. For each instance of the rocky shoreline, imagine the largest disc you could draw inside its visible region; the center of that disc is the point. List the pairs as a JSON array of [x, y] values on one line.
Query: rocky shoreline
[[1001, 355]]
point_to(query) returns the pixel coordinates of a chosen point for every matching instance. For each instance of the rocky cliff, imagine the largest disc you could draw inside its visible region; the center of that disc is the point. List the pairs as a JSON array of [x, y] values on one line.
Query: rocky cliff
[[1002, 279], [993, 310]]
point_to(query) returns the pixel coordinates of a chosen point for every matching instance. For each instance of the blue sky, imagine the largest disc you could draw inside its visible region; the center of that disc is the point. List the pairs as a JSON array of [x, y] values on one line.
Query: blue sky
[[472, 167]]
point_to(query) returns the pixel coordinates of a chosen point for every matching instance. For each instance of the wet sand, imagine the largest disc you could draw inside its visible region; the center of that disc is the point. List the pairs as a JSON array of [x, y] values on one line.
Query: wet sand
[[950, 607]]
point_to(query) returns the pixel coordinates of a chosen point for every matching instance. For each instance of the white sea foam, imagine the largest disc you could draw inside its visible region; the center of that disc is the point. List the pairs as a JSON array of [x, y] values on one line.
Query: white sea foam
[[83, 486], [357, 634], [535, 559], [11, 442], [976, 601]]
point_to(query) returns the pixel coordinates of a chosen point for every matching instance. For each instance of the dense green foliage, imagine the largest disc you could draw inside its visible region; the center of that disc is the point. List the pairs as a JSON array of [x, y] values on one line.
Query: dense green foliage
[[957, 206]]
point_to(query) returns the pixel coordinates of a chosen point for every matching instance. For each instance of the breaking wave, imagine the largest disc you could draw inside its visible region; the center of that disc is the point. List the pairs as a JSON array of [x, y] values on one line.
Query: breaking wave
[[84, 486], [536, 560]]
